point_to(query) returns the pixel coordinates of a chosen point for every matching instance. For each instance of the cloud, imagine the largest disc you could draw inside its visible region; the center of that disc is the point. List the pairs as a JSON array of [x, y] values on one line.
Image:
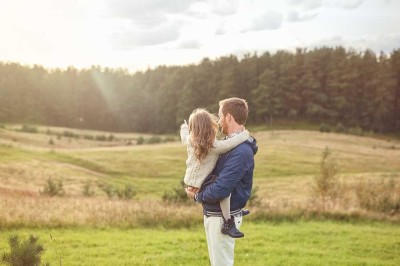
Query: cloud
[[306, 4], [314, 4], [225, 7], [267, 21], [294, 16], [132, 38], [378, 43], [190, 44], [147, 13]]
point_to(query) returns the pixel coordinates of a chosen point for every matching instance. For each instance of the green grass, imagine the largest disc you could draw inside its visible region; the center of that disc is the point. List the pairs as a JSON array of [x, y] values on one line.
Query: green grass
[[299, 243]]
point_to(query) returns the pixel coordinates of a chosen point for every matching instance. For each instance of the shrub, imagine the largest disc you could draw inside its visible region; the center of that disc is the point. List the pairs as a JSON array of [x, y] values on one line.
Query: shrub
[[169, 139], [87, 190], [101, 138], [127, 193], [176, 195], [23, 252], [69, 134], [88, 137], [381, 197], [356, 131], [340, 128], [324, 128], [2, 126], [154, 140], [109, 190], [53, 188], [51, 142], [140, 140], [326, 186], [29, 129], [110, 137]]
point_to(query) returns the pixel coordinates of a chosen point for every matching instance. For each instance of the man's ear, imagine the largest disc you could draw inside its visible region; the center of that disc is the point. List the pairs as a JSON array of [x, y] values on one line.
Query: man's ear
[[230, 118]]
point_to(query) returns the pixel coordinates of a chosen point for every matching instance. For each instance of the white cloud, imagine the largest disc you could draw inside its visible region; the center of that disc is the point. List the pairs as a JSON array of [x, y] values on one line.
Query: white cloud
[[314, 4], [295, 16], [268, 21], [147, 13], [135, 38], [189, 44], [224, 7]]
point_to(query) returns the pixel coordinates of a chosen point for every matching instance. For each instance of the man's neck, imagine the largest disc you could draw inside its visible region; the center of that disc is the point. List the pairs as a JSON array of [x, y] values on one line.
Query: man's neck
[[234, 129]]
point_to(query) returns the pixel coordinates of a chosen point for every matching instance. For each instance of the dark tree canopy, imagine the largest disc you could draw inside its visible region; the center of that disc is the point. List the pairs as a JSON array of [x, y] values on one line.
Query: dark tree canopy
[[323, 85]]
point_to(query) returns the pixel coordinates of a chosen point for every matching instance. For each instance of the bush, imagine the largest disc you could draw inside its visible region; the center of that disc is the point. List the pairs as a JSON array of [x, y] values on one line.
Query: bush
[[2, 126], [176, 195], [154, 140], [356, 131], [110, 137], [53, 188], [51, 142], [169, 139], [29, 129], [324, 128], [101, 138], [88, 137], [127, 193], [340, 128], [27, 252], [109, 190], [69, 134], [381, 197], [326, 186], [87, 190], [140, 140]]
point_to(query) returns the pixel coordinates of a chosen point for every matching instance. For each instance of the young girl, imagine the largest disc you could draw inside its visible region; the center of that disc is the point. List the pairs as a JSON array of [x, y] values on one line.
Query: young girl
[[203, 152]]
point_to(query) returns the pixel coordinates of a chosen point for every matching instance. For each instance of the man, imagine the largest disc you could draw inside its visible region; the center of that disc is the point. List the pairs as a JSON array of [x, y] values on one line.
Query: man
[[233, 174]]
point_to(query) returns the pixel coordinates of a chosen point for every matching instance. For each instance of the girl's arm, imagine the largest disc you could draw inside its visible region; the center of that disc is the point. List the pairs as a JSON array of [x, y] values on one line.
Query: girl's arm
[[222, 146], [185, 133]]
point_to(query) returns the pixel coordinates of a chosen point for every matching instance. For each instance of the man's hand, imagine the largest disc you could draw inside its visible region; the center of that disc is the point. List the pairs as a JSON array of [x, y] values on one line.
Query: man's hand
[[190, 192]]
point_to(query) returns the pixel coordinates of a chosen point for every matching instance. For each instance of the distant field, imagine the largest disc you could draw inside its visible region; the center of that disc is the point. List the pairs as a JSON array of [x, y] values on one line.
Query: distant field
[[287, 160], [299, 243]]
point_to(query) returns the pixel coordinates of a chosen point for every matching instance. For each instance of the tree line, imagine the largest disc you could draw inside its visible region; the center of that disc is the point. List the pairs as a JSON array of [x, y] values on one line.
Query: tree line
[[322, 85]]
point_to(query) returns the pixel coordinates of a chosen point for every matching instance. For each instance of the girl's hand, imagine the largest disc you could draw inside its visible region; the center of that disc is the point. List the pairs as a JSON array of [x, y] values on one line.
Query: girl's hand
[[193, 189]]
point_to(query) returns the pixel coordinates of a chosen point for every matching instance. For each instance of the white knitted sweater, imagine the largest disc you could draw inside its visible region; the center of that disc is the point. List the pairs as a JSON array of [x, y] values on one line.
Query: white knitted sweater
[[196, 172]]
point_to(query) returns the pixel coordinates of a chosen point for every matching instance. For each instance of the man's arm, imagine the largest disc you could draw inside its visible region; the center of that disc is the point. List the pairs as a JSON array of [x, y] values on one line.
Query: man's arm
[[236, 165]]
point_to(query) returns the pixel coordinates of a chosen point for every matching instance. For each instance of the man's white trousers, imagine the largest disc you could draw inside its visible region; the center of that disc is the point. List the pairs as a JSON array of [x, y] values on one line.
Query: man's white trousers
[[221, 248]]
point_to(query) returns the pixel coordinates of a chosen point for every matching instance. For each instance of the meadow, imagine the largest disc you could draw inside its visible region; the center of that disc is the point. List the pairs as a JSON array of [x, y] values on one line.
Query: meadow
[[285, 227]]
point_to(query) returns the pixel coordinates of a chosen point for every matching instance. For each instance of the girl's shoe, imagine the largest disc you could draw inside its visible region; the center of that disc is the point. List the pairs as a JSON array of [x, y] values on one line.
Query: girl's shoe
[[245, 212], [229, 228]]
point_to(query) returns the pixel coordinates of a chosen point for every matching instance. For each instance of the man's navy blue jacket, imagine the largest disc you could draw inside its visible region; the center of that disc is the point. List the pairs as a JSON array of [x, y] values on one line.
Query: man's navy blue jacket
[[234, 171]]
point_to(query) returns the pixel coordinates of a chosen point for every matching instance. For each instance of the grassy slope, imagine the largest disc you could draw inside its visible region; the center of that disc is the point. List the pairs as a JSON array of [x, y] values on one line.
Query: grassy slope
[[302, 243], [286, 160]]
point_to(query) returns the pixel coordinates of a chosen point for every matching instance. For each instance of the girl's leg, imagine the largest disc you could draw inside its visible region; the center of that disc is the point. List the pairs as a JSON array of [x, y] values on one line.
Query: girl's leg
[[226, 207]]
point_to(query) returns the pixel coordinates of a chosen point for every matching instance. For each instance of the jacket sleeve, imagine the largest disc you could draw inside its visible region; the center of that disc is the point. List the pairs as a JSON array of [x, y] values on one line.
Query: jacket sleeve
[[223, 146], [185, 133], [236, 165]]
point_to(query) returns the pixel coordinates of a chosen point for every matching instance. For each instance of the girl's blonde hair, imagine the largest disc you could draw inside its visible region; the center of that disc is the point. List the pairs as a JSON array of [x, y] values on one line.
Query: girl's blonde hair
[[203, 129]]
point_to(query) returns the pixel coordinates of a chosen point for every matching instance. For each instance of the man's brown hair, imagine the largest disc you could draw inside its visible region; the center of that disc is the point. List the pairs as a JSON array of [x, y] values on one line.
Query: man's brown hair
[[237, 108]]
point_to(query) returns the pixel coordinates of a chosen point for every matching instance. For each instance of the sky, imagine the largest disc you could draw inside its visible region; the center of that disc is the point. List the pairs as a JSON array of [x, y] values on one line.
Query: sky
[[141, 34]]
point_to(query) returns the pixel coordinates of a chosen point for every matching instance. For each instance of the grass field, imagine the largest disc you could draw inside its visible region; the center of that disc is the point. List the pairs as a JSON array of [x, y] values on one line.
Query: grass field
[[298, 243], [146, 231]]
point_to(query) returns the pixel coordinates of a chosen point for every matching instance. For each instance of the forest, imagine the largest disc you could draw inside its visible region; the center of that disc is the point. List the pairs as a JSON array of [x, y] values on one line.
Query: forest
[[331, 85]]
